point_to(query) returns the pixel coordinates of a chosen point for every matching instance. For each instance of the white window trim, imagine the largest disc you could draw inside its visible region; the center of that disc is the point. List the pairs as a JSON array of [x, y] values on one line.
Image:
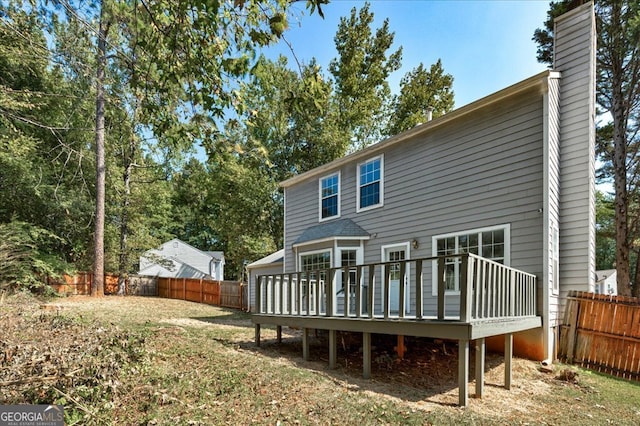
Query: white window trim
[[434, 252], [320, 218], [307, 253], [381, 202], [338, 259]]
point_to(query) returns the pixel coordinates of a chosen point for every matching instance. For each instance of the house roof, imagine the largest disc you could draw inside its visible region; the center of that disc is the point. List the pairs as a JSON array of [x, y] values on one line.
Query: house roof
[[276, 257], [179, 269], [604, 274], [345, 228], [215, 255], [539, 80]]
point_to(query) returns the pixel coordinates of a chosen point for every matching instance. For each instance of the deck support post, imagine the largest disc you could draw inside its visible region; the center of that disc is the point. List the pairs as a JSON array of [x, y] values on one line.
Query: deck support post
[[508, 358], [333, 349], [279, 333], [480, 352], [463, 372], [366, 355], [258, 335], [400, 348], [305, 344]]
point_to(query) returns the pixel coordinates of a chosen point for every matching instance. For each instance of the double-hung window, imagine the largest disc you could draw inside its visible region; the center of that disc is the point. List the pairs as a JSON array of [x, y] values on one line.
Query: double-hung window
[[370, 183], [491, 243], [330, 196]]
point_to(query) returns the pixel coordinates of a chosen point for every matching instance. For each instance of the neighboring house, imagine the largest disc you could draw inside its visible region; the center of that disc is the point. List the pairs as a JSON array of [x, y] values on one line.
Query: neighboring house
[[606, 282], [509, 178], [178, 259], [268, 265]]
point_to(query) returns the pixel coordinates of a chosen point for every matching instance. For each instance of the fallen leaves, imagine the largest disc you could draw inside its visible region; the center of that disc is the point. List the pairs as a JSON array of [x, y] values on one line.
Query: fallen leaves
[[47, 357]]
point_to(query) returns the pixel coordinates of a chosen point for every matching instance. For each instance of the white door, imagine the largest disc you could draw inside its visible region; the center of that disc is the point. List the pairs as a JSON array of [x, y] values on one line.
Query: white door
[[391, 254], [347, 257]]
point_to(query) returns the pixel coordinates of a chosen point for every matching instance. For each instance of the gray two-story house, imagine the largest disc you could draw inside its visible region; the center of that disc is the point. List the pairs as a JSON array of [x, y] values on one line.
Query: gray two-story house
[[482, 218]]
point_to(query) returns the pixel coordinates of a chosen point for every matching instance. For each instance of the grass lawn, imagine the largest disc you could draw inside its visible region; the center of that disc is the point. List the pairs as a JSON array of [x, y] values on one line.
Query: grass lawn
[[133, 360]]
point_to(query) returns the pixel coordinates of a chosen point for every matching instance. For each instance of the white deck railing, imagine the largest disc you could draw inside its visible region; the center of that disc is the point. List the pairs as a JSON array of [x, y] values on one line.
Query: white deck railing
[[479, 289]]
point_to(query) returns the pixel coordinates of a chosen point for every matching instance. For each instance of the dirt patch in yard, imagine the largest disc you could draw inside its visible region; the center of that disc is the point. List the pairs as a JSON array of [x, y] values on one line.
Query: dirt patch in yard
[[426, 378]]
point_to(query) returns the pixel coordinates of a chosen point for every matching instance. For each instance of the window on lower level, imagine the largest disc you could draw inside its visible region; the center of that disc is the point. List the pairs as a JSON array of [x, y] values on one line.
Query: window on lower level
[[314, 262], [492, 243]]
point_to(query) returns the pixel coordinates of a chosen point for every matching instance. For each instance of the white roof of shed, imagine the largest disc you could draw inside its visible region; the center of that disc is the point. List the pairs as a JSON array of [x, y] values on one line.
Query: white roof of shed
[[276, 257]]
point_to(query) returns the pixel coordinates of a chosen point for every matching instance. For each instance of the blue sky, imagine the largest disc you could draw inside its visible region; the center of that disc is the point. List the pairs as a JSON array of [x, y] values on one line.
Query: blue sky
[[485, 45]]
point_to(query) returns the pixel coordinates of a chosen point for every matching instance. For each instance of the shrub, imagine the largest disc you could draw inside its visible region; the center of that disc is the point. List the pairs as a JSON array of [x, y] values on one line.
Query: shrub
[[25, 259]]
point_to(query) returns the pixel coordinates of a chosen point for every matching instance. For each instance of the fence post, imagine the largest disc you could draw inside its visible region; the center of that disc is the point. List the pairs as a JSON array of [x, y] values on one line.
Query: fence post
[[512, 293], [201, 292], [184, 289], [403, 282], [358, 295], [465, 288], [370, 290], [573, 314], [419, 297], [386, 290], [441, 288], [256, 292]]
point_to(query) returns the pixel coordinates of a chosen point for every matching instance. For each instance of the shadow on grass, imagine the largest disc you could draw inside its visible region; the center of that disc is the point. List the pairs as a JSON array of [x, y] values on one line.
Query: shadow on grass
[[230, 317], [427, 372]]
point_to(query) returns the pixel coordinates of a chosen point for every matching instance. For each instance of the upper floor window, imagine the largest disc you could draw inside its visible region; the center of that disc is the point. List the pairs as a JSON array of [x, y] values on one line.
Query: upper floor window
[[370, 179], [330, 196], [492, 243]]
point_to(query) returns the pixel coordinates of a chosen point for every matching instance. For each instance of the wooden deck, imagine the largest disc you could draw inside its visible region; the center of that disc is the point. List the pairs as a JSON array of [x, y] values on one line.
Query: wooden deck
[[492, 300]]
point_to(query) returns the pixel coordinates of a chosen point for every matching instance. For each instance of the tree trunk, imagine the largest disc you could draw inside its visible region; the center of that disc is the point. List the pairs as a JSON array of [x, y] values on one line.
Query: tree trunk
[[97, 285], [619, 113], [621, 202], [123, 261]]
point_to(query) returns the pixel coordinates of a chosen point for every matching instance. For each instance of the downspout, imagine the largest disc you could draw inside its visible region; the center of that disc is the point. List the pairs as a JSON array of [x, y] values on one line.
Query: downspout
[[546, 327]]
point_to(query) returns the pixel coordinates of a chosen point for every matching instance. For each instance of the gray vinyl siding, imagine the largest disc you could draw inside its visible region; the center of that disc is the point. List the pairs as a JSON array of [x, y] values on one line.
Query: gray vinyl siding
[[574, 58], [483, 169], [254, 272]]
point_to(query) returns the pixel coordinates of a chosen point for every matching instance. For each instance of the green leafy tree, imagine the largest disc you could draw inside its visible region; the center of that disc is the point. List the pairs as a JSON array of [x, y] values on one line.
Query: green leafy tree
[[605, 232], [618, 94], [290, 125], [187, 53], [25, 256], [421, 91], [243, 201], [194, 207], [42, 138], [360, 72]]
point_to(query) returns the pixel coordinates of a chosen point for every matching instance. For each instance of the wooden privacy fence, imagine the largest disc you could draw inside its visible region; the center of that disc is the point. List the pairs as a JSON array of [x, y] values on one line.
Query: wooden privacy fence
[[228, 294], [602, 333], [80, 283], [220, 293]]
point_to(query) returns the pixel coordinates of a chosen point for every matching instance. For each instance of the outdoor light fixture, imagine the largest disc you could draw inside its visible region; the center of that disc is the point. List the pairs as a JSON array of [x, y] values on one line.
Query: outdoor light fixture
[[415, 244]]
